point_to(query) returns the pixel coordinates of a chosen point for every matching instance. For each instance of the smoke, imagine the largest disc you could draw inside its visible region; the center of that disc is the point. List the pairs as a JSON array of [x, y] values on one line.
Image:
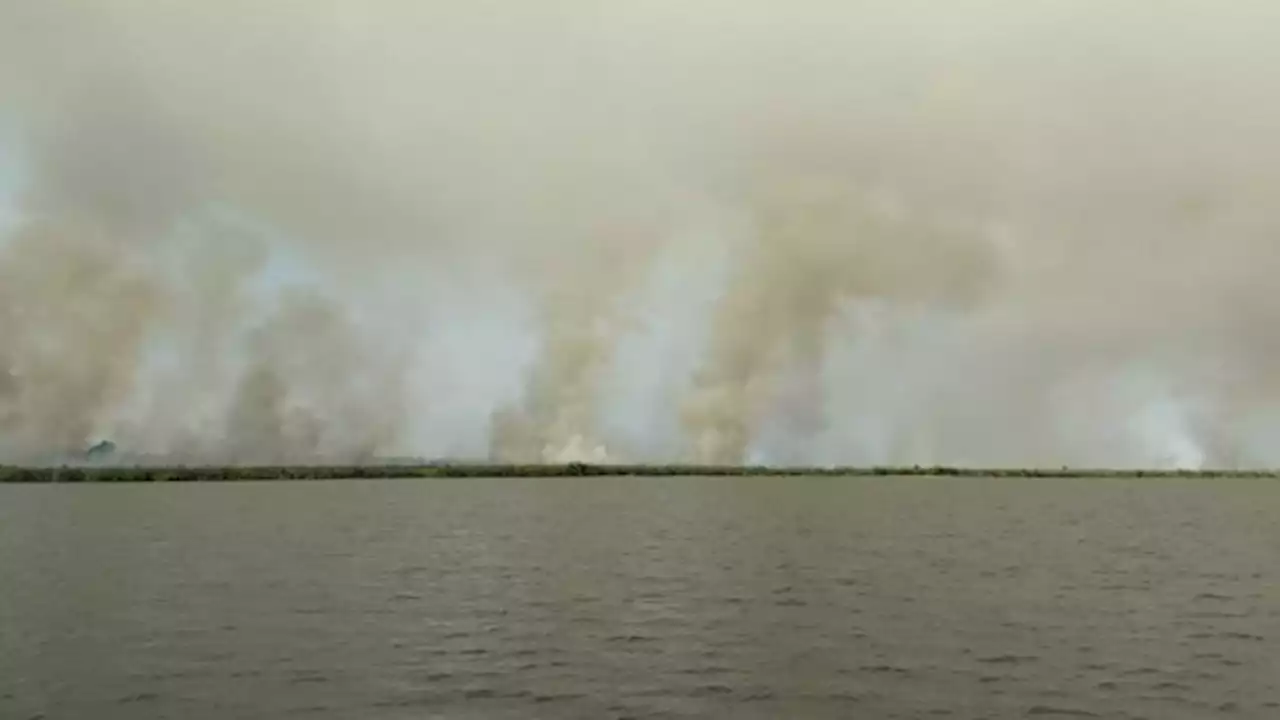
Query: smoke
[[310, 391], [814, 243], [62, 293], [987, 232], [583, 318]]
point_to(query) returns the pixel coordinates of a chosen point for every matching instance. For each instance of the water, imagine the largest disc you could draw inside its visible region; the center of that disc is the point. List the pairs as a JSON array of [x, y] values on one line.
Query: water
[[642, 598]]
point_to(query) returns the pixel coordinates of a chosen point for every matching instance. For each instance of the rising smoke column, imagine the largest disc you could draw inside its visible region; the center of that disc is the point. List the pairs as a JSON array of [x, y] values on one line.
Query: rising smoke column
[[194, 353], [73, 316], [313, 389], [817, 241], [79, 291], [583, 315], [124, 254]]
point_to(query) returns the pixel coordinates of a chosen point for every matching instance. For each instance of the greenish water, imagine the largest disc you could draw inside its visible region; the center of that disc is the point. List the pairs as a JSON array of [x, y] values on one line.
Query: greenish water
[[659, 597]]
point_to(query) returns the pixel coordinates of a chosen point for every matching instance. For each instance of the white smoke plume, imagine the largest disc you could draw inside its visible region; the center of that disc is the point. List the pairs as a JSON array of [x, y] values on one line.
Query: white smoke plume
[[978, 232]]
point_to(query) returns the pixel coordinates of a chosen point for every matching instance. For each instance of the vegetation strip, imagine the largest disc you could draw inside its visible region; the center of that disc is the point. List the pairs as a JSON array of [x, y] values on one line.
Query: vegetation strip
[[69, 474]]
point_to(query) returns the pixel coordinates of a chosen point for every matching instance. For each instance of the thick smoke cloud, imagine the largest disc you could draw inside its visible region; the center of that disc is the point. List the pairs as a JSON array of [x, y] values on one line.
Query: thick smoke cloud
[[983, 231]]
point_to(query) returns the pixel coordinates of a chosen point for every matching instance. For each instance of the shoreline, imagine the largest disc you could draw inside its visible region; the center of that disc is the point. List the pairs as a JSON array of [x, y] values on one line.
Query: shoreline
[[238, 473]]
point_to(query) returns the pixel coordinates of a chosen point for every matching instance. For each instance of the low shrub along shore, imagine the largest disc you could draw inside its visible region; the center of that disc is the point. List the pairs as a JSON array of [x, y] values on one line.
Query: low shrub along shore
[[81, 474]]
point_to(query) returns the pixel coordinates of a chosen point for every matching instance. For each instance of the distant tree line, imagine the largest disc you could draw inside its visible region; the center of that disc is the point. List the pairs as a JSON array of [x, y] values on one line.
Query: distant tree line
[[209, 473]]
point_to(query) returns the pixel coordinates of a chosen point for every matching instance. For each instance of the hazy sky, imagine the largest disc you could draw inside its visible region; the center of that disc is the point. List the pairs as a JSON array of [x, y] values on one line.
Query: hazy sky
[[978, 231]]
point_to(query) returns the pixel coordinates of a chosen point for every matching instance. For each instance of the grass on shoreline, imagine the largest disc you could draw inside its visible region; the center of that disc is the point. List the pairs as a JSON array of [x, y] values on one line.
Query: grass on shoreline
[[65, 474]]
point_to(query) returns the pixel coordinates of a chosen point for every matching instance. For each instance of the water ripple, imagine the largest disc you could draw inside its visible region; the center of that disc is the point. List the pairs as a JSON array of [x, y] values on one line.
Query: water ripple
[[663, 598]]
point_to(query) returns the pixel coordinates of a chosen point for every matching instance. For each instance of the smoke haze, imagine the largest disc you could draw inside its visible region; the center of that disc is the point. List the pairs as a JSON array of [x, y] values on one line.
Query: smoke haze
[[976, 232]]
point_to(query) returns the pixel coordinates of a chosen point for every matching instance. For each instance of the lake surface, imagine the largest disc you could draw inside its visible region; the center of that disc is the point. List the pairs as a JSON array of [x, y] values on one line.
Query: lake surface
[[642, 598]]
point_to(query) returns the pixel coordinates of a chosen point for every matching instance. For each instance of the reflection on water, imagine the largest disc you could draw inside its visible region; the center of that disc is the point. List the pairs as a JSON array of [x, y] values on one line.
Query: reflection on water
[[611, 598]]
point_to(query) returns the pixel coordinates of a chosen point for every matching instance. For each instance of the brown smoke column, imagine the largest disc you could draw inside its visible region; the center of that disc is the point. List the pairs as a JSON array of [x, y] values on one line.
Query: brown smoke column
[[583, 314], [818, 240]]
